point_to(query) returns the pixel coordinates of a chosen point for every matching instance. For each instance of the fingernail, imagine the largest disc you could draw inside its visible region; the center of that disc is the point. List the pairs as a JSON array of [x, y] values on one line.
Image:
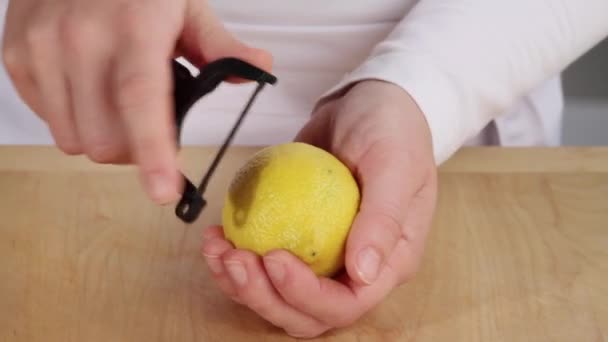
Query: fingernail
[[161, 189], [368, 264], [275, 269], [215, 264], [237, 272]]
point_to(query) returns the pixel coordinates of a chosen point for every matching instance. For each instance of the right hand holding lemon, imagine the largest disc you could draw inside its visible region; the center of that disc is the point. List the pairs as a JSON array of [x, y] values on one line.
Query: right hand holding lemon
[[376, 130]]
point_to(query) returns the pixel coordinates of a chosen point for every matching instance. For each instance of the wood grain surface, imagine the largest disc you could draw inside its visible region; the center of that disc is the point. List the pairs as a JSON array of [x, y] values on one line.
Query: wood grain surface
[[518, 252]]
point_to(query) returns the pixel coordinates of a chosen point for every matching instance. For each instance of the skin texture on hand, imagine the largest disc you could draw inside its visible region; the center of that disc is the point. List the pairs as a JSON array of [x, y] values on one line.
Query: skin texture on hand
[[99, 74], [377, 130]]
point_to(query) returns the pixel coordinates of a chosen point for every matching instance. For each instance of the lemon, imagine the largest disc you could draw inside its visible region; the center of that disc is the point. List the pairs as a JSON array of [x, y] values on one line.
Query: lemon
[[295, 197]]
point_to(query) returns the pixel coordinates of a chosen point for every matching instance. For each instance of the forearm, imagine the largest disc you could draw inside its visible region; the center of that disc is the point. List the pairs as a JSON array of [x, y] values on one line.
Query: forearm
[[466, 62]]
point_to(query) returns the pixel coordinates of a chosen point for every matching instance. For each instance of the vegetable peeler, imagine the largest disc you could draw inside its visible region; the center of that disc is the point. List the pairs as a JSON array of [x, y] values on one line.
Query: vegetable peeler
[[188, 89]]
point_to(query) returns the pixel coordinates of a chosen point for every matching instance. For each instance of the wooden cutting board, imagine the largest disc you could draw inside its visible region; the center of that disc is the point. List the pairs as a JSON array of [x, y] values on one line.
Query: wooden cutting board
[[518, 252]]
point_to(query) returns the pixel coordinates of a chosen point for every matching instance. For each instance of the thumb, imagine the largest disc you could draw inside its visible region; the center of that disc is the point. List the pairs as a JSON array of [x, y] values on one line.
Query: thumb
[[389, 182], [205, 39]]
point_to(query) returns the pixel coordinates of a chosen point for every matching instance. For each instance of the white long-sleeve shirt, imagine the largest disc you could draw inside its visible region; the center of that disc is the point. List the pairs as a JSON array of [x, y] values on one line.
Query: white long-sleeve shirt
[[482, 71]]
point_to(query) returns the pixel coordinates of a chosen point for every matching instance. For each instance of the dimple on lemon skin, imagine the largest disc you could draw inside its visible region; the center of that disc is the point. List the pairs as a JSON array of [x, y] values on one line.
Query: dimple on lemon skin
[[296, 197]]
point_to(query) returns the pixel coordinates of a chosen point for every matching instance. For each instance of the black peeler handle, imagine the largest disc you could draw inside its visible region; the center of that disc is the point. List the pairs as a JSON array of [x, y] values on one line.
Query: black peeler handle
[[187, 91]]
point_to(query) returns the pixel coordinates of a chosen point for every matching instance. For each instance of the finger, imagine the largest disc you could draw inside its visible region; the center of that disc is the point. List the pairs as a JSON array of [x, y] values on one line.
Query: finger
[[255, 290], [55, 94], [48, 69], [214, 247], [205, 39], [18, 69], [87, 51], [389, 181], [15, 56], [331, 302], [407, 255], [213, 232], [142, 95]]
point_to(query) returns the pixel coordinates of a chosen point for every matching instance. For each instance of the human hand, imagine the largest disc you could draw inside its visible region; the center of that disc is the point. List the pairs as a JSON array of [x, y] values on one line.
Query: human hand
[[99, 74], [379, 133]]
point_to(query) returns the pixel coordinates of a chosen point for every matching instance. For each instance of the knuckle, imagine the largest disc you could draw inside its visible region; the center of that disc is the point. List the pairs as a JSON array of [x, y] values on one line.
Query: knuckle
[[69, 146], [37, 35], [132, 21], [297, 301], [40, 46], [11, 58], [66, 140], [135, 85], [387, 219], [103, 152], [78, 34]]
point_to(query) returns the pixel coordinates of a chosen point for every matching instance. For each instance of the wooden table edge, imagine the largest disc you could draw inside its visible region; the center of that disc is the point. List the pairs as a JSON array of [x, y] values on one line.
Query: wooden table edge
[[467, 159]]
